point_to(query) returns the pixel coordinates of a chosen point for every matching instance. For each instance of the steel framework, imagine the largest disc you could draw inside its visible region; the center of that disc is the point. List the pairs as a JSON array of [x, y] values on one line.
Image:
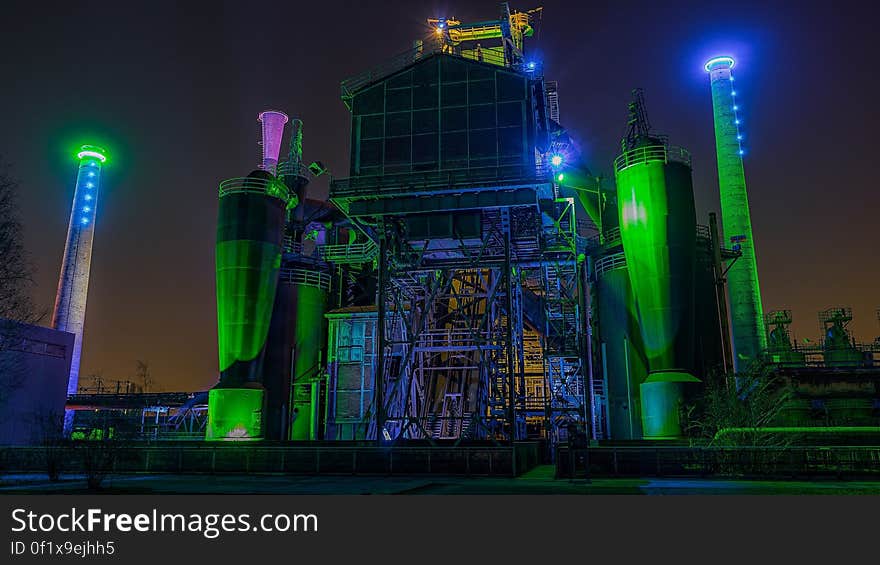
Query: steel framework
[[483, 336]]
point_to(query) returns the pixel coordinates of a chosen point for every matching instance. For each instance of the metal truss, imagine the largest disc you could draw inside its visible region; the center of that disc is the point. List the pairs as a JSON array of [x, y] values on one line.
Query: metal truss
[[459, 305], [484, 336]]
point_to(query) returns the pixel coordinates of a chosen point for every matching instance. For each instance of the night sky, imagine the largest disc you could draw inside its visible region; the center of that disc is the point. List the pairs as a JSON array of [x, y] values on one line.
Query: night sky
[[172, 89]]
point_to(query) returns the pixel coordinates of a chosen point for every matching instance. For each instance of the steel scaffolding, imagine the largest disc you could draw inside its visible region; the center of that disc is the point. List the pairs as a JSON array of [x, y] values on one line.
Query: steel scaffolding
[[483, 336]]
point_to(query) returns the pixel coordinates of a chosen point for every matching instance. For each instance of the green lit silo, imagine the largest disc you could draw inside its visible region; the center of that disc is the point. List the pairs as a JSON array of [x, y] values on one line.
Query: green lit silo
[[658, 231], [305, 292], [250, 227], [620, 346], [294, 363]]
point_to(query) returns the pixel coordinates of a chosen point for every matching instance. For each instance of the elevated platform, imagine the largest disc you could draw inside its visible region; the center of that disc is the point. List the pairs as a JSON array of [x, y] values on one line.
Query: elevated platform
[[434, 191], [128, 401]]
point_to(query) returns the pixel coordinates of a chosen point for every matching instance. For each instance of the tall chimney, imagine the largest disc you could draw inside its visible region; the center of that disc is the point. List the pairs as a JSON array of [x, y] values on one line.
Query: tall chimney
[[746, 311], [73, 283]]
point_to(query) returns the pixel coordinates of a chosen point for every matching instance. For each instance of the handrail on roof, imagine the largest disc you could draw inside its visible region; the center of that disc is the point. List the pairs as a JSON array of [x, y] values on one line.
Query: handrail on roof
[[358, 82]]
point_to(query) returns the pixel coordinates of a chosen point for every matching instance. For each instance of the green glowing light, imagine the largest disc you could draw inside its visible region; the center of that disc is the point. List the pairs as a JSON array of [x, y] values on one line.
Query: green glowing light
[[311, 303], [247, 274], [657, 229], [560, 177], [235, 414], [661, 397], [92, 152]]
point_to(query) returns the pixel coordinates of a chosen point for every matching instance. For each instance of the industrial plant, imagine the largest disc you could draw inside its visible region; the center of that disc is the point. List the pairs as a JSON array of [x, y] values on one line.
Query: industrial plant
[[472, 280]]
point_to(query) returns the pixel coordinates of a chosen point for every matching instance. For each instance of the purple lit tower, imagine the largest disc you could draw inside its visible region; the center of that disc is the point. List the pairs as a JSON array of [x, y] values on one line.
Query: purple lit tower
[[273, 131], [73, 283]]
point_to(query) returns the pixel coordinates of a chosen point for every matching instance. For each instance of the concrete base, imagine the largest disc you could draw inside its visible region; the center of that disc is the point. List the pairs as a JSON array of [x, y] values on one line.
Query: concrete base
[[235, 414], [661, 397]]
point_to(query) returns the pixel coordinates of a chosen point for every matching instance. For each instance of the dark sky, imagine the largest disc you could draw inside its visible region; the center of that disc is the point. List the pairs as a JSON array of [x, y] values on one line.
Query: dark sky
[[173, 89]]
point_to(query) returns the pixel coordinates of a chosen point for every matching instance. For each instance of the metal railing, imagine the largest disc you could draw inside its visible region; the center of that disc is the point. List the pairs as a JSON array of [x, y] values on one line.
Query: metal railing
[[437, 180], [286, 168], [652, 154], [292, 246], [255, 185], [612, 237], [610, 263], [305, 277], [239, 457], [431, 46], [348, 254], [787, 462]]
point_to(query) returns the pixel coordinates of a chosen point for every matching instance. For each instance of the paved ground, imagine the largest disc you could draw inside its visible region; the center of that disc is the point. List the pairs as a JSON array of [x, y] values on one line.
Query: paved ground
[[538, 481]]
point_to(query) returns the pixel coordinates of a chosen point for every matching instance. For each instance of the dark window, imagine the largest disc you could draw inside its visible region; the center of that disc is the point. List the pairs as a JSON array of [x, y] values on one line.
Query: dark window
[[443, 113], [453, 119], [371, 153], [510, 87], [481, 117], [482, 144], [398, 100], [510, 114], [402, 80], [372, 126], [511, 142], [425, 97], [453, 70], [369, 101], [424, 121], [479, 72], [398, 124], [425, 149], [454, 94], [397, 150], [453, 149], [481, 92], [425, 73]]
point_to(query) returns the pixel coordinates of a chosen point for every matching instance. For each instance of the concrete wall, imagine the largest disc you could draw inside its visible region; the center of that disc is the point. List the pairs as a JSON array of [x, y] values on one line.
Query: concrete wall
[[34, 367]]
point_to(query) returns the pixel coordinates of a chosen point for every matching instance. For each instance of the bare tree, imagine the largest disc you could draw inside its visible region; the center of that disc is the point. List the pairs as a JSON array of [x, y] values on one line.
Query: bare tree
[[16, 271], [48, 429], [143, 375], [741, 408], [16, 282]]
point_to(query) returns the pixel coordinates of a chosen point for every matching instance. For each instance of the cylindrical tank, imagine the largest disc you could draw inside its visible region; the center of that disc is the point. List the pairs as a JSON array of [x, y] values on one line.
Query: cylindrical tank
[[311, 289], [294, 360], [250, 229], [658, 231], [620, 344]]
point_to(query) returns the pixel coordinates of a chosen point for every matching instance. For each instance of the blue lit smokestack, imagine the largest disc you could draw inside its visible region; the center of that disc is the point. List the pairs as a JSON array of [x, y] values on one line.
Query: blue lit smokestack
[[73, 284]]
